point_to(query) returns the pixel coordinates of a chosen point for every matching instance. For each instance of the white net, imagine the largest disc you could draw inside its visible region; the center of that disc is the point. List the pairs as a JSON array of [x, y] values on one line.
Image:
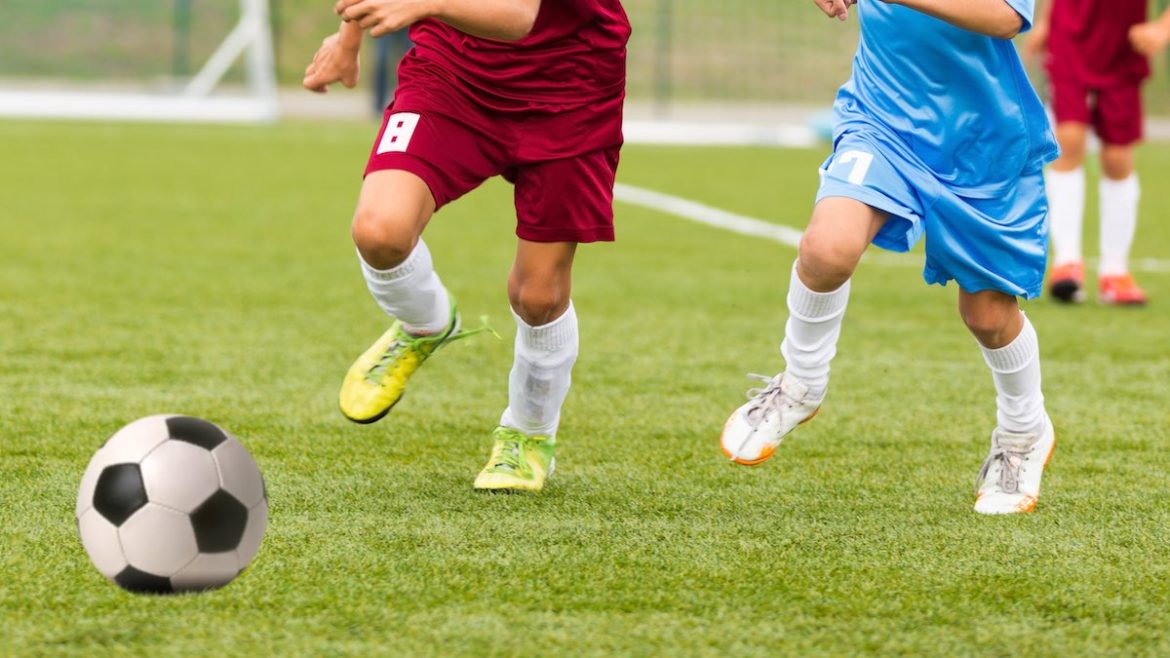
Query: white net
[[167, 59]]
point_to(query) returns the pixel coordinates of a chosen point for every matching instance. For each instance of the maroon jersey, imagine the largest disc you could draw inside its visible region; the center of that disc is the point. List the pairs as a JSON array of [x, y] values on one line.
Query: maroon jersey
[[568, 76], [1088, 42]]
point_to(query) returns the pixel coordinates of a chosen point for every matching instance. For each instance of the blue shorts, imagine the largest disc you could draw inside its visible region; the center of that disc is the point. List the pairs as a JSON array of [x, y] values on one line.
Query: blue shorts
[[998, 243]]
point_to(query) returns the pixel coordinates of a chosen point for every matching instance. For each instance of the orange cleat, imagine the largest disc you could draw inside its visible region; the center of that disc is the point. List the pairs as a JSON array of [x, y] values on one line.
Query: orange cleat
[[1120, 290], [1067, 283]]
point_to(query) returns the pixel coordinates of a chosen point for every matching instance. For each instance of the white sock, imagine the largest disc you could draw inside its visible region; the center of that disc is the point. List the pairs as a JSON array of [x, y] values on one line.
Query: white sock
[[1119, 206], [541, 374], [1066, 211], [1015, 368], [411, 292], [811, 333]]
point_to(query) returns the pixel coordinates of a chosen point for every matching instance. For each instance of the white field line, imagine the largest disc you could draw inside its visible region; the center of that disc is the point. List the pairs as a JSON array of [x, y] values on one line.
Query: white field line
[[744, 225]]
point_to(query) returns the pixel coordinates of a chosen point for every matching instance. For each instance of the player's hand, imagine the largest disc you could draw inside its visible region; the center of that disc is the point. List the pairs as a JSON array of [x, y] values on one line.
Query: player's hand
[[1037, 41], [332, 63], [383, 16], [1149, 38], [838, 9]]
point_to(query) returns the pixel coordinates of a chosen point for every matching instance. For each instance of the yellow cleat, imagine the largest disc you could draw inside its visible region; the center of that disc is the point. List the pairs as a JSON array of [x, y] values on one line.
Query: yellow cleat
[[377, 380], [519, 462]]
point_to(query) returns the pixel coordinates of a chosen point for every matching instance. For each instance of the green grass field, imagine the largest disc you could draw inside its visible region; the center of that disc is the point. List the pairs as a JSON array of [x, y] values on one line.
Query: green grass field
[[208, 271]]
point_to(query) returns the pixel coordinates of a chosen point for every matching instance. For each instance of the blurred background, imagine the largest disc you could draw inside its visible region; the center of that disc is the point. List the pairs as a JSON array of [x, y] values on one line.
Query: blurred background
[[743, 60]]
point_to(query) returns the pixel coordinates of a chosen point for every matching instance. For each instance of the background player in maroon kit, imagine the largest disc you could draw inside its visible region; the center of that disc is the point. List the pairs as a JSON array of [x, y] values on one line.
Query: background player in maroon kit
[[1096, 60], [529, 90]]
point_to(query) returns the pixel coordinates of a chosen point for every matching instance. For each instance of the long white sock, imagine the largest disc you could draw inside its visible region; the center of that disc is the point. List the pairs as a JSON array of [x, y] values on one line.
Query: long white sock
[[411, 292], [541, 374], [1015, 368], [1066, 212], [1119, 208], [812, 331]]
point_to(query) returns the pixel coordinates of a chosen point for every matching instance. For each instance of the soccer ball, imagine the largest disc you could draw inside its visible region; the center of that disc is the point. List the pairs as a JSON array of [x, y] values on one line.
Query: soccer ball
[[171, 504]]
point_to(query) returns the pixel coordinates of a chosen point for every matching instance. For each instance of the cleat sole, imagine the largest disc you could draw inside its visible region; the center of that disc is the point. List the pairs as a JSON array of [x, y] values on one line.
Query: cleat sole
[[374, 419]]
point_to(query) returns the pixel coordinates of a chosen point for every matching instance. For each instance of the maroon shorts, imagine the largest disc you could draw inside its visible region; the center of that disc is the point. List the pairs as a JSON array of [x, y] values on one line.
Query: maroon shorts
[[1114, 112], [561, 200]]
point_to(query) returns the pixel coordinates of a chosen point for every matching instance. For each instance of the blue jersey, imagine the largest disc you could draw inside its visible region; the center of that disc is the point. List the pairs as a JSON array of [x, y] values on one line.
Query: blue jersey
[[958, 102]]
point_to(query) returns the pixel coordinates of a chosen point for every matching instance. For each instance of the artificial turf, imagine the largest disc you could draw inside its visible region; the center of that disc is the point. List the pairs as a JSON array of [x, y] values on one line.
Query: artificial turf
[[208, 271]]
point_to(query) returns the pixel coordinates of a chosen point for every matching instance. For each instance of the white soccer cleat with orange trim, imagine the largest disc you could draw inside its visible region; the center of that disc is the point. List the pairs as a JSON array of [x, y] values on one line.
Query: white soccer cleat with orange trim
[[1009, 482], [755, 430]]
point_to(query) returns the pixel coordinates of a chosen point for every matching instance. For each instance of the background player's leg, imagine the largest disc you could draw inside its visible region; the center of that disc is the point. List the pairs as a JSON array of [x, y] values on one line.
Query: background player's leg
[[1023, 438], [1066, 194], [837, 235], [1120, 193], [539, 289], [393, 209]]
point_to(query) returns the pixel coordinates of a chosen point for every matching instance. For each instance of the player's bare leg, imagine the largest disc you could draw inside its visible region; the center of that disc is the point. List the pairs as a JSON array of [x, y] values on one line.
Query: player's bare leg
[[1023, 439], [539, 289], [1119, 197], [1066, 199], [836, 237], [393, 209]]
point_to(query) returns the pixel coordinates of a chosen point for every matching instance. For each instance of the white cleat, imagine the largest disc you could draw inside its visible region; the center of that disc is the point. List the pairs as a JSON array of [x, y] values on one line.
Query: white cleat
[[754, 431], [1009, 482]]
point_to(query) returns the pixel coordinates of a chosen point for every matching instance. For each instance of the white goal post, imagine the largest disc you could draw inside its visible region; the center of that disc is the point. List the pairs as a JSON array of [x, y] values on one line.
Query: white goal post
[[196, 101]]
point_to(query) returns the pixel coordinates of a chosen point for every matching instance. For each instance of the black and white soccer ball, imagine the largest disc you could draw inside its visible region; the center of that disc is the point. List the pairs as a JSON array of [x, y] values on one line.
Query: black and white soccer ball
[[171, 504]]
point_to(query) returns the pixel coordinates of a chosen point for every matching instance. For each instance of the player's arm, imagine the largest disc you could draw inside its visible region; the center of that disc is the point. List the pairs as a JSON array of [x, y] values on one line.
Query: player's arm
[[336, 60], [1037, 41], [995, 18], [506, 20], [1151, 37]]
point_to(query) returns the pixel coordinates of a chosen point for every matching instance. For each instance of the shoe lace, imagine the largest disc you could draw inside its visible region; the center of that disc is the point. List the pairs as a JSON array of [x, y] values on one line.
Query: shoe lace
[[484, 327], [764, 400], [404, 340], [1010, 461], [511, 451]]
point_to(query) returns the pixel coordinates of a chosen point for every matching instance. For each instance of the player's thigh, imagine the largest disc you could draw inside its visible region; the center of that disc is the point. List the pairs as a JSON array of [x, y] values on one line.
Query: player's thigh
[[393, 208], [566, 200], [868, 193], [1118, 115], [840, 230], [998, 243], [450, 158]]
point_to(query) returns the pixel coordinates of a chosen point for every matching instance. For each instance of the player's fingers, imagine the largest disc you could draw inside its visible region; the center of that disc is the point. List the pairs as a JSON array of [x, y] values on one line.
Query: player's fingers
[[342, 5], [312, 83], [356, 10], [368, 21]]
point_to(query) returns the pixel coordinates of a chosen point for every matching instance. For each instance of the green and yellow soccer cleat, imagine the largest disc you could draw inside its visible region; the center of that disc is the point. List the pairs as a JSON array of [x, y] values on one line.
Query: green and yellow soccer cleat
[[377, 380], [518, 463]]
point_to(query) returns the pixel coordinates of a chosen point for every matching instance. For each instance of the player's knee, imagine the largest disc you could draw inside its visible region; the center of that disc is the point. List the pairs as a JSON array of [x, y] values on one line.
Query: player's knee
[[537, 302], [1117, 163], [988, 322], [1072, 152], [824, 262], [1070, 158], [383, 239]]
